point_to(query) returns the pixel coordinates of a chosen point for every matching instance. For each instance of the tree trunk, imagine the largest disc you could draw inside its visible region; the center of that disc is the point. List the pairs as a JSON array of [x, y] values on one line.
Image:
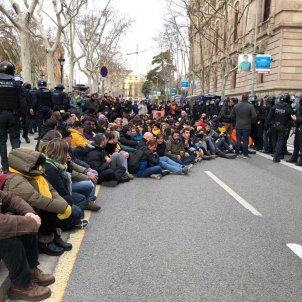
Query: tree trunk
[[50, 69], [25, 56], [71, 72]]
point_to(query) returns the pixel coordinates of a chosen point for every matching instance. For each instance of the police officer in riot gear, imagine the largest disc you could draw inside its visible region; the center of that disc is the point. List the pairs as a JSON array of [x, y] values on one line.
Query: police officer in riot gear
[[43, 103], [298, 136], [59, 98], [9, 110], [26, 109], [279, 118]]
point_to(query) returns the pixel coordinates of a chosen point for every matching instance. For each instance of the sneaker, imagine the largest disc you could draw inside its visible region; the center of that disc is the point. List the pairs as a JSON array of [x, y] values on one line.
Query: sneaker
[[165, 172], [33, 292], [131, 176], [185, 170], [82, 224], [190, 166], [92, 206], [155, 176], [246, 156]]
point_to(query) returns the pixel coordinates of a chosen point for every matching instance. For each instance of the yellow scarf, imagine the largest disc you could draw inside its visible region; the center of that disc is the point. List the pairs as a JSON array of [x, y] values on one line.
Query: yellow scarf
[[41, 182], [156, 132]]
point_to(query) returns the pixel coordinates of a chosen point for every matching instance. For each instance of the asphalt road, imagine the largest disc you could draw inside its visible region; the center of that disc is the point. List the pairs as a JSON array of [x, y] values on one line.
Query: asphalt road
[[185, 238]]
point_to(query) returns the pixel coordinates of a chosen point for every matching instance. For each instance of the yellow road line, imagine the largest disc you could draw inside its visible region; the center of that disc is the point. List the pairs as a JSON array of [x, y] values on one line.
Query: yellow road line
[[66, 262]]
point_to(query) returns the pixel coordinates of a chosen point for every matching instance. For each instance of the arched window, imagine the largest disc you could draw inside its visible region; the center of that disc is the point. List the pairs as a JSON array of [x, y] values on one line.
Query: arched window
[[267, 10]]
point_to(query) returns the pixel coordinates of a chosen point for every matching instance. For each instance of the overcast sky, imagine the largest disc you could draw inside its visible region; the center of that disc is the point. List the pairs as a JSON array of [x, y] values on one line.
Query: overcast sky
[[149, 19]]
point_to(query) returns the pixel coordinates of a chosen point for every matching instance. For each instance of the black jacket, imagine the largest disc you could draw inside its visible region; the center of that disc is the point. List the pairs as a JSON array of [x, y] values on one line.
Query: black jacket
[[279, 114], [95, 157], [127, 141]]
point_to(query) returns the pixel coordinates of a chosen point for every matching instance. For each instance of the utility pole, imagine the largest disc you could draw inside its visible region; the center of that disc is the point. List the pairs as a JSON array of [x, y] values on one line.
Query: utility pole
[[255, 49]]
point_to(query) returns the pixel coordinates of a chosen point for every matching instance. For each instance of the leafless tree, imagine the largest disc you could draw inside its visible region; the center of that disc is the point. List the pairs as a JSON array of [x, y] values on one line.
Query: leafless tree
[[23, 12]]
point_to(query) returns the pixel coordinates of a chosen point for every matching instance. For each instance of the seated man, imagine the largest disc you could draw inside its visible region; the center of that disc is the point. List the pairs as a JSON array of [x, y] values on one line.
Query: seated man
[[126, 143], [176, 150], [78, 138], [19, 249]]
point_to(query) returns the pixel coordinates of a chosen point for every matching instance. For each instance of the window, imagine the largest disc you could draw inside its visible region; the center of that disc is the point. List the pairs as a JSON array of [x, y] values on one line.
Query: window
[[236, 26], [234, 79], [267, 10]]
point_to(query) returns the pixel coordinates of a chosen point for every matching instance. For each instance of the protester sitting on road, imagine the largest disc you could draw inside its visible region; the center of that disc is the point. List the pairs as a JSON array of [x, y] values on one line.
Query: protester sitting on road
[[117, 156], [135, 134], [191, 149], [95, 156], [167, 163], [19, 249], [126, 143], [176, 150], [27, 181], [144, 162], [78, 138]]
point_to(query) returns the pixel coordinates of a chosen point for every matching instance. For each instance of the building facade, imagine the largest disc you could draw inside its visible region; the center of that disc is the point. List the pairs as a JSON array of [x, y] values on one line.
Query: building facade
[[217, 38], [133, 85]]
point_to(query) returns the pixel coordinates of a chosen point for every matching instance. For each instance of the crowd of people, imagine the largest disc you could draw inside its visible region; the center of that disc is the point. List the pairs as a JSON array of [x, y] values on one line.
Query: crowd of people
[[89, 139]]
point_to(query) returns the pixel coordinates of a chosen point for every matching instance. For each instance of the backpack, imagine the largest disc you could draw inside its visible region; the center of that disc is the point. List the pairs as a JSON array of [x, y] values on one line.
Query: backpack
[[135, 159]]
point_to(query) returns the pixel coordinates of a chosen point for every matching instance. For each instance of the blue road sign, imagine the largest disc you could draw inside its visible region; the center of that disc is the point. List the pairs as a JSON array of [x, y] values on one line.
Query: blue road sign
[[173, 91], [104, 71], [185, 84]]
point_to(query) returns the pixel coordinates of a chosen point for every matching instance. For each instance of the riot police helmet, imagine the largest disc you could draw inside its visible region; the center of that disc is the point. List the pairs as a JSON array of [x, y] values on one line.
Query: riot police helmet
[[285, 98], [42, 83], [27, 85], [7, 67], [60, 87]]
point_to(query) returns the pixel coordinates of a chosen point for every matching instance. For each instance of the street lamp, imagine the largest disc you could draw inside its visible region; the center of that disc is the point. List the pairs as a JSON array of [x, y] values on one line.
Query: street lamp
[[61, 61]]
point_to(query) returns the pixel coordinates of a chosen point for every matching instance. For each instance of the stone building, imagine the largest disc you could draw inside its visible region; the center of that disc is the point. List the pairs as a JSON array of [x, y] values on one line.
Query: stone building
[[216, 44]]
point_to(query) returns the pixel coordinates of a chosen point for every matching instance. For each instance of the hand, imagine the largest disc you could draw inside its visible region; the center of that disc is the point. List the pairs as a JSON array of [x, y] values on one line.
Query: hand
[[126, 155], [35, 217], [178, 157], [92, 177], [294, 118], [31, 111]]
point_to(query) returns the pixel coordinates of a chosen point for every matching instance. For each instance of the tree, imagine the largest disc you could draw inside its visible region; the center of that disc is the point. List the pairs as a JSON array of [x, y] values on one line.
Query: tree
[[61, 21], [147, 88], [81, 32], [21, 21], [163, 70]]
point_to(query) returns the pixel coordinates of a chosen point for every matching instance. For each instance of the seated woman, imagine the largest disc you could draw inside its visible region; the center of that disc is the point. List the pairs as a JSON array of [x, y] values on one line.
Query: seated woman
[[84, 179], [144, 162], [27, 181], [135, 134], [56, 171]]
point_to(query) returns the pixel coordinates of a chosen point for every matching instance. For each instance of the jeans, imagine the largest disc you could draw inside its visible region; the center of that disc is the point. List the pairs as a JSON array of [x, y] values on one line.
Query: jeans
[[20, 254], [151, 170], [85, 187], [242, 133], [76, 215], [9, 124], [168, 164]]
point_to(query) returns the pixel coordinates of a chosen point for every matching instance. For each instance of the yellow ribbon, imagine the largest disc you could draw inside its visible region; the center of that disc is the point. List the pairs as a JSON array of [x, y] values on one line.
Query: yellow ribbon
[[66, 214], [40, 180]]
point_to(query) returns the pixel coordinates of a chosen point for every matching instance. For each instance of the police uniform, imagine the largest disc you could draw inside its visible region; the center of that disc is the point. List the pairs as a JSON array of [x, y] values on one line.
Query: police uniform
[[59, 98], [44, 104], [279, 118], [9, 111]]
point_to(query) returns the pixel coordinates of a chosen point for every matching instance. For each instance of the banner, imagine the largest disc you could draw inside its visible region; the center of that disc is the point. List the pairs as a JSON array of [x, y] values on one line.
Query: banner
[[245, 63], [263, 64]]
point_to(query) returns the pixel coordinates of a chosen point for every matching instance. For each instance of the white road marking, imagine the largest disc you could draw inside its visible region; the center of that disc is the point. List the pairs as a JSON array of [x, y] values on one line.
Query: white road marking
[[283, 162], [296, 248], [241, 200]]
